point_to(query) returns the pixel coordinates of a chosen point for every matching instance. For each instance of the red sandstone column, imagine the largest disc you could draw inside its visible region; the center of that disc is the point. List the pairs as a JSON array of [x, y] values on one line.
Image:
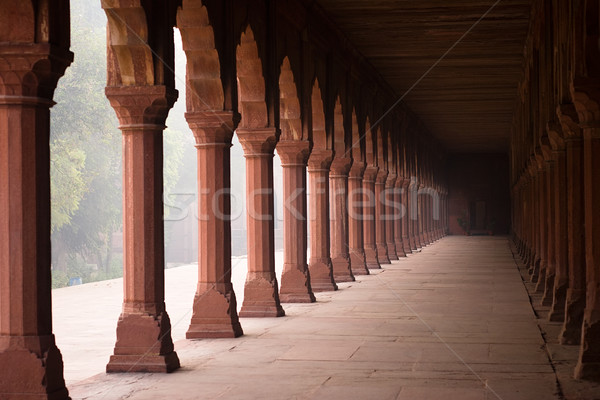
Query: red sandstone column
[[548, 282], [295, 278], [394, 226], [30, 363], [543, 225], [261, 296], [588, 108], [561, 280], [355, 219], [321, 271], [144, 330], [575, 304], [422, 216], [380, 223], [369, 217], [534, 227], [413, 215], [215, 308], [405, 216], [338, 181]]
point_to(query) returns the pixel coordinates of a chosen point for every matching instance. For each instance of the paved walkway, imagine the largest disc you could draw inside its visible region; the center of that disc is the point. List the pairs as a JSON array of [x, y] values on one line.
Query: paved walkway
[[452, 322]]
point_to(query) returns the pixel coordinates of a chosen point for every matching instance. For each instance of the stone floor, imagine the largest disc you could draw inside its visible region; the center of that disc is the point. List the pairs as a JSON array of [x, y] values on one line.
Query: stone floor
[[452, 322]]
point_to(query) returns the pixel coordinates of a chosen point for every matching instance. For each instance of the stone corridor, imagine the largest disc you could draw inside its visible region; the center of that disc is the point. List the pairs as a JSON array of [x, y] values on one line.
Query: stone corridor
[[451, 322]]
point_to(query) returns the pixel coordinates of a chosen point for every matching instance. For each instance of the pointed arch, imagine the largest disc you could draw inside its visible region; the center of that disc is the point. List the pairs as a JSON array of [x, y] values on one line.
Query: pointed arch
[[128, 43], [356, 148], [289, 105], [381, 141], [251, 83], [369, 144], [319, 134], [339, 133], [203, 69]]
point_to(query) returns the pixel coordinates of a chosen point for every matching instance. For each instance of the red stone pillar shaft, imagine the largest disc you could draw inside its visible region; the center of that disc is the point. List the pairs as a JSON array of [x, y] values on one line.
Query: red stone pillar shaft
[[369, 211], [575, 304], [321, 271], [261, 295], [413, 215], [588, 366], [399, 216], [543, 227], [561, 280], [295, 278], [215, 307], [389, 202], [144, 330], [340, 257], [534, 228], [380, 215], [30, 363], [355, 219], [422, 217], [551, 237], [406, 244]]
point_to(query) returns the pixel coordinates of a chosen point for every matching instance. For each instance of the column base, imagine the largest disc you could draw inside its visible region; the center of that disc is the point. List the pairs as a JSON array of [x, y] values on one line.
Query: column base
[[295, 285], [358, 263], [400, 250], [406, 246], [382, 254], [261, 299], [575, 305], [588, 366], [557, 311], [321, 276], [32, 368], [541, 281], [215, 316], [342, 272], [144, 344], [392, 252], [534, 270], [548, 296], [371, 258]]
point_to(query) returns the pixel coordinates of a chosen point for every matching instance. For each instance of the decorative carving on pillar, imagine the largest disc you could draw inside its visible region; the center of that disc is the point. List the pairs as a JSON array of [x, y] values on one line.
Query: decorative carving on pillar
[[215, 306], [261, 296], [30, 362], [321, 270], [143, 332], [295, 278]]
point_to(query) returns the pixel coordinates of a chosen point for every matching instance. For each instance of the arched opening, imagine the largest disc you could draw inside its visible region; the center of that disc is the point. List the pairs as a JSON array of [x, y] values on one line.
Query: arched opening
[[251, 83], [319, 135], [289, 105]]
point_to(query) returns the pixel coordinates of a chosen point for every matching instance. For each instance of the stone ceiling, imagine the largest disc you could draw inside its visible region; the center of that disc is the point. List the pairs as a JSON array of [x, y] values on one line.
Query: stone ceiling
[[467, 100]]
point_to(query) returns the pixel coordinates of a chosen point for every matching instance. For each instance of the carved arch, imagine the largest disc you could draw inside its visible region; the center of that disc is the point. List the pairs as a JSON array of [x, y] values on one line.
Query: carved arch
[[203, 69], [339, 133], [289, 109], [251, 83], [319, 134]]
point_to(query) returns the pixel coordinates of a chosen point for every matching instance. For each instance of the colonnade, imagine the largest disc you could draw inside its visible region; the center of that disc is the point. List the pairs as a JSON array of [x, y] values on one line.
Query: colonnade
[[555, 166], [280, 77]]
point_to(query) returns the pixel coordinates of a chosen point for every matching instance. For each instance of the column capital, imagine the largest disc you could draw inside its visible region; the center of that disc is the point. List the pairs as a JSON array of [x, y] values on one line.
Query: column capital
[[357, 169], [340, 166], [45, 61], [141, 106], [211, 127], [586, 99], [391, 180], [320, 160], [569, 121], [257, 142], [370, 173], [293, 152], [381, 177]]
